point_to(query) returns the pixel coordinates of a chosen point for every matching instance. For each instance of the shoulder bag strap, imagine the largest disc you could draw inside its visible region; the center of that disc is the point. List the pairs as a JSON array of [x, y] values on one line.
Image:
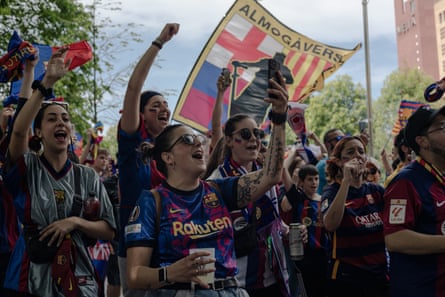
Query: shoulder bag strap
[[77, 200]]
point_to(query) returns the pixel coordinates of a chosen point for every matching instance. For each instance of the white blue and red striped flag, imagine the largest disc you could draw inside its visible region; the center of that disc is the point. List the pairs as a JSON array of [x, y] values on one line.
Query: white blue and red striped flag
[[243, 42]]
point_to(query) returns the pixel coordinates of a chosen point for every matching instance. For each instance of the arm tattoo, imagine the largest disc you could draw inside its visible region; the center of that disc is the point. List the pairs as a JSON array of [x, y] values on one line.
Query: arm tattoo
[[247, 187], [275, 156]]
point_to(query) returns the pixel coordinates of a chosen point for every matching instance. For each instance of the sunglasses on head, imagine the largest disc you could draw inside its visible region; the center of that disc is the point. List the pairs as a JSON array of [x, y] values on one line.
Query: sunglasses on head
[[246, 133], [189, 139], [46, 103]]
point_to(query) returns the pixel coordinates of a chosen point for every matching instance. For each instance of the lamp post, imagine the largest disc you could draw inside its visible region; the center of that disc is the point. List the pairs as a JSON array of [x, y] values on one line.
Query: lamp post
[[368, 74]]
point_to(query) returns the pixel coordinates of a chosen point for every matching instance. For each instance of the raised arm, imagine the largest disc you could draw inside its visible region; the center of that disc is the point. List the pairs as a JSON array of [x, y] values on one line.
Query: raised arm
[[56, 69], [130, 113], [28, 77], [253, 185], [217, 132], [86, 149]]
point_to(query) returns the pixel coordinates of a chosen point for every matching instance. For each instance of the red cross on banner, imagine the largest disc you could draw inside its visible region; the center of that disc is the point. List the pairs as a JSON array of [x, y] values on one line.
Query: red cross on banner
[[244, 41]]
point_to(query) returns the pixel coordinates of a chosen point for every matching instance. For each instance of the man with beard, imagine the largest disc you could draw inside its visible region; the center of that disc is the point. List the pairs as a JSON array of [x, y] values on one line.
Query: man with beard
[[414, 213]]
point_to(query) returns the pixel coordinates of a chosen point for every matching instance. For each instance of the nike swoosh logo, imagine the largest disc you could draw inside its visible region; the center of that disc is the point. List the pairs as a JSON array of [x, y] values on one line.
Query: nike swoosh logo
[[173, 211], [348, 203], [440, 203]]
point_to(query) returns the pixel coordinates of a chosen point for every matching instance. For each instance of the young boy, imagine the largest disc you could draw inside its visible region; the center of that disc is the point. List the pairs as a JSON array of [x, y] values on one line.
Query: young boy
[[306, 209]]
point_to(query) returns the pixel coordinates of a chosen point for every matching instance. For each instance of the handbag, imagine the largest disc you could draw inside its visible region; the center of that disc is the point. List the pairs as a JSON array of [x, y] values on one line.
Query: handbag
[[245, 238], [38, 251]]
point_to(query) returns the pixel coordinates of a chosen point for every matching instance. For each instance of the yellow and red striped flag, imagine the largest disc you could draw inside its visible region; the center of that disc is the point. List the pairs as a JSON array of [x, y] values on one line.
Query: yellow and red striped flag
[[243, 42]]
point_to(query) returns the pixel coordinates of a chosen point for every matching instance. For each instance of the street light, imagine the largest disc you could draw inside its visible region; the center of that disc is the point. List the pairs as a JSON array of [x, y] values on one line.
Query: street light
[[368, 73]]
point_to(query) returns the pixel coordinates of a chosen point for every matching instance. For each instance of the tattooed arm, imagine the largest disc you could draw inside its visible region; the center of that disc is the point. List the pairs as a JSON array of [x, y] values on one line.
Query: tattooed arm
[[253, 185]]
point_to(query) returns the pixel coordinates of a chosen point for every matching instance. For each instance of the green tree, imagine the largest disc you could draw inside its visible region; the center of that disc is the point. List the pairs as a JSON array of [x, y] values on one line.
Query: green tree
[[109, 39], [54, 23], [340, 104], [59, 22], [408, 84]]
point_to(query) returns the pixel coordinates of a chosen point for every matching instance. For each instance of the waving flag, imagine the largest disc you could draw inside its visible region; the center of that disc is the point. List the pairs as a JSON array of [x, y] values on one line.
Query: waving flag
[[11, 64], [406, 109], [243, 42], [79, 52]]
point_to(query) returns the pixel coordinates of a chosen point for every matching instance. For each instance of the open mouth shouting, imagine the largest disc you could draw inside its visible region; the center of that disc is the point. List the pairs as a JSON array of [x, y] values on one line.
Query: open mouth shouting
[[61, 136], [199, 155]]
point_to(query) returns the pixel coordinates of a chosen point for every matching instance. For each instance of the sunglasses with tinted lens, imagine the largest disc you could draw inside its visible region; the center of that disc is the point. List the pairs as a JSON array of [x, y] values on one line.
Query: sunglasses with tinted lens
[[336, 138], [246, 133], [189, 139], [64, 104], [371, 171]]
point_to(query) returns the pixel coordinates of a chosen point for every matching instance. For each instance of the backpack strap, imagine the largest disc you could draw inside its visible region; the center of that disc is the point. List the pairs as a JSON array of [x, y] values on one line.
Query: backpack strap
[[77, 200], [158, 207]]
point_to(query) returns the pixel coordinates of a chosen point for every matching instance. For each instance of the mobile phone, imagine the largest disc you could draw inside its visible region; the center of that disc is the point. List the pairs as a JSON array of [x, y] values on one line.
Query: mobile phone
[[226, 74], [274, 67], [362, 125]]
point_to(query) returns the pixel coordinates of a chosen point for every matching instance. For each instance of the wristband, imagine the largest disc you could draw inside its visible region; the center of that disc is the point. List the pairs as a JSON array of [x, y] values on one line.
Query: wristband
[[162, 276], [277, 118], [46, 92], [158, 43]]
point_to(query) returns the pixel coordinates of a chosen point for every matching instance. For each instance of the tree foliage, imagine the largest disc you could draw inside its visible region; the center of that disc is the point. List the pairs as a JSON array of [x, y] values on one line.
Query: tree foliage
[[341, 104], [54, 23], [65, 21], [407, 84]]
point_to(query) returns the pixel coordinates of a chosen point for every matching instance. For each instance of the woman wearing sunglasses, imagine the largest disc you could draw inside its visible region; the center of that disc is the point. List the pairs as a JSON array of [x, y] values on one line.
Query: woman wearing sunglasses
[[372, 174], [352, 210], [195, 214], [44, 189], [254, 224]]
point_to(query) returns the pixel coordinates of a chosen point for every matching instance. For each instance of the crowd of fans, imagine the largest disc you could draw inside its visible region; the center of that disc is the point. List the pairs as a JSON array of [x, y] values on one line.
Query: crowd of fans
[[185, 213]]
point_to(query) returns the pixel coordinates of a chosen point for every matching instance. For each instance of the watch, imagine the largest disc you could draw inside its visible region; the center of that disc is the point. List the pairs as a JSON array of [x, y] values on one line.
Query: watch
[[163, 280], [46, 92]]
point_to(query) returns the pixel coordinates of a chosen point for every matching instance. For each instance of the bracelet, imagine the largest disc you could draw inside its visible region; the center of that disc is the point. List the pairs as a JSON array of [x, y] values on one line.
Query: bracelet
[[158, 42], [162, 276], [46, 92], [277, 118]]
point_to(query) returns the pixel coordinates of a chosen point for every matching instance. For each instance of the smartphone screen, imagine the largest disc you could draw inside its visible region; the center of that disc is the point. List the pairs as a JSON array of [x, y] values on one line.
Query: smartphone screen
[[226, 74], [274, 67]]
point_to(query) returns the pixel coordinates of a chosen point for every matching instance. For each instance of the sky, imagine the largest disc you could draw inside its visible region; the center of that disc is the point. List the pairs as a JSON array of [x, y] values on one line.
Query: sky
[[336, 23]]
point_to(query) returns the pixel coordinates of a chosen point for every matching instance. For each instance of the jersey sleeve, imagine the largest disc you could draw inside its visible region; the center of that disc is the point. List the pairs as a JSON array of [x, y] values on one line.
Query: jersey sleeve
[[141, 229], [402, 205]]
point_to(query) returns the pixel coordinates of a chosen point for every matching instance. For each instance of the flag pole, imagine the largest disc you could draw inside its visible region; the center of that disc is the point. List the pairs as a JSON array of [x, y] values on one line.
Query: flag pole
[[368, 75]]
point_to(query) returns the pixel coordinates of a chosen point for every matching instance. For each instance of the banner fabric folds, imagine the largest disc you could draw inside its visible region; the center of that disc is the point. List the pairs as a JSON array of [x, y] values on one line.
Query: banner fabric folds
[[243, 42]]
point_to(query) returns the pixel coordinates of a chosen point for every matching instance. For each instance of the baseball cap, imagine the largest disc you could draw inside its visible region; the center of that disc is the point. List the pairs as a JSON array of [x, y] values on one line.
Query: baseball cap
[[419, 122]]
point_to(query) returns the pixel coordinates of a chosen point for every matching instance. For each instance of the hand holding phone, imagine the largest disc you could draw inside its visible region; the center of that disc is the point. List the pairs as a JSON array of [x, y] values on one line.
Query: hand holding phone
[[226, 74], [274, 68]]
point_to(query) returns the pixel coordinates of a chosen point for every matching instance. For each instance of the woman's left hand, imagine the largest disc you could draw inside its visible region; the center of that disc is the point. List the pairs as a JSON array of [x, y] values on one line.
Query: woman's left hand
[[57, 230], [279, 104], [190, 268]]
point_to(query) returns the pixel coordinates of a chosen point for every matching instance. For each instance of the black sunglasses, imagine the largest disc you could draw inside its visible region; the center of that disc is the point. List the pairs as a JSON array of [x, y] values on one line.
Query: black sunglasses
[[371, 171], [189, 139], [246, 133]]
